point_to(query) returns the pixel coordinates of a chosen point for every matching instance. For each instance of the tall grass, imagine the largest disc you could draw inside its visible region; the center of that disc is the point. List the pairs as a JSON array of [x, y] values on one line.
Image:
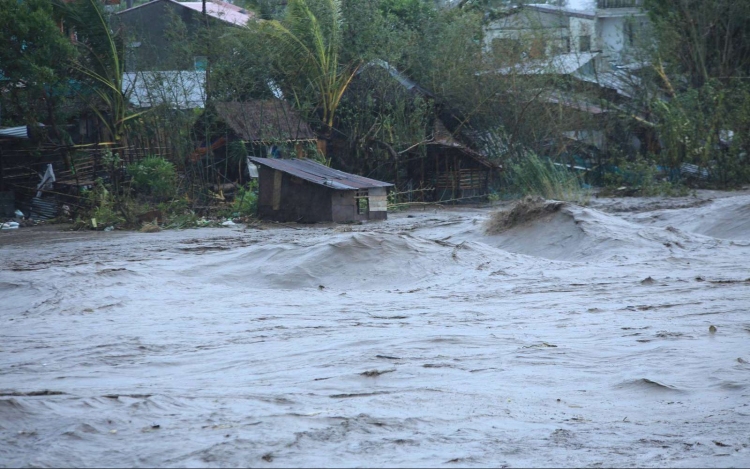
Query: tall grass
[[531, 175]]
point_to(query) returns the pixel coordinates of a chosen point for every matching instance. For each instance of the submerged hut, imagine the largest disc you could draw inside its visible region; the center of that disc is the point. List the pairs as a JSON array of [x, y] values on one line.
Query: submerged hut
[[304, 191]]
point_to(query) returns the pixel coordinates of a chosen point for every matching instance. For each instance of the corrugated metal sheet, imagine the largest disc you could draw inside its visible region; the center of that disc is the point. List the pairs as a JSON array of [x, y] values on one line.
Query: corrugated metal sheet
[[320, 174], [443, 137], [563, 64], [15, 132], [214, 8], [223, 11], [408, 84], [621, 81]]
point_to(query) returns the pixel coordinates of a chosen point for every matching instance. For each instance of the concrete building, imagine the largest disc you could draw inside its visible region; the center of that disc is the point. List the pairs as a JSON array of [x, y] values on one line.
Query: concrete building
[[612, 27]]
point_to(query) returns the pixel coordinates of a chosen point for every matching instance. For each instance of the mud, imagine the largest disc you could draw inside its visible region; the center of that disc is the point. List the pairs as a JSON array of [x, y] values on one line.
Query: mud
[[578, 339]]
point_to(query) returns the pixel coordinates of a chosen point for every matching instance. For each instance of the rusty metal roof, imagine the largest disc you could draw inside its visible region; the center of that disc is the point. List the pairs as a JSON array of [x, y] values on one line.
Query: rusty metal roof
[[215, 8], [319, 174], [265, 121]]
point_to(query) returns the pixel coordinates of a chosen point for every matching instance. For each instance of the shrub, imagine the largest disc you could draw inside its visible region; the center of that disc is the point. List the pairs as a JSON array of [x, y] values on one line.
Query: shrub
[[100, 205], [531, 175], [642, 178], [246, 200], [153, 176]]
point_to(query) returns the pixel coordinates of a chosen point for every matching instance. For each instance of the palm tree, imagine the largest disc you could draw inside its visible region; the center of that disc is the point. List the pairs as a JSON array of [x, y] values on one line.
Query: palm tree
[[309, 39], [102, 63]]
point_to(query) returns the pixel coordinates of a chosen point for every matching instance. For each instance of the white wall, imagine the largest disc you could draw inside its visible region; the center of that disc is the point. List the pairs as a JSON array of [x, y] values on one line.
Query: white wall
[[612, 35]]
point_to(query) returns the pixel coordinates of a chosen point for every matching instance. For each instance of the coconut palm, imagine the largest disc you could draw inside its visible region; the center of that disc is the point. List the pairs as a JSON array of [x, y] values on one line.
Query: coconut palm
[[101, 62], [308, 41]]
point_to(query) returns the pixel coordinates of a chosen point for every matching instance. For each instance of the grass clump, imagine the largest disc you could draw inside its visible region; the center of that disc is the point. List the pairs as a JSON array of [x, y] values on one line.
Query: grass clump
[[531, 175]]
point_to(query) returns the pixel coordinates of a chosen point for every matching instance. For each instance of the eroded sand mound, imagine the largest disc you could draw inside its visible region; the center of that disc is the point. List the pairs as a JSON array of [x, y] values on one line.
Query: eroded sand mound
[[350, 261], [528, 210], [563, 231]]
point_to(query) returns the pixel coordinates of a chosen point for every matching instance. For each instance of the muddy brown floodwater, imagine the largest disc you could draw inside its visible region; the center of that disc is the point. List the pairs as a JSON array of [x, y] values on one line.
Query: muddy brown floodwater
[[582, 338]]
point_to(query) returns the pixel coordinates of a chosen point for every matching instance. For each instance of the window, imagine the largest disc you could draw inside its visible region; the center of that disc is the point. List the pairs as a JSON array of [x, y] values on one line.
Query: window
[[584, 43], [562, 46]]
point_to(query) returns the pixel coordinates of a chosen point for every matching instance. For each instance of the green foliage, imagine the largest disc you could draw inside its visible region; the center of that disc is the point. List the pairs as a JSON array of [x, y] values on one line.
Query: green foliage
[[100, 64], [306, 46], [100, 205], [702, 39], [641, 177], [33, 65], [531, 175], [246, 200], [155, 176]]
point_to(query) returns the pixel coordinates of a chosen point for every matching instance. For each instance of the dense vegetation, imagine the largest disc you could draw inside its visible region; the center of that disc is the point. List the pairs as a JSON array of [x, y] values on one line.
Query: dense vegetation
[[693, 99]]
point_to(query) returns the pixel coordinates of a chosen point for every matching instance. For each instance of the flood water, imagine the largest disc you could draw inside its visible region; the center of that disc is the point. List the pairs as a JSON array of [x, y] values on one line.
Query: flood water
[[580, 339]]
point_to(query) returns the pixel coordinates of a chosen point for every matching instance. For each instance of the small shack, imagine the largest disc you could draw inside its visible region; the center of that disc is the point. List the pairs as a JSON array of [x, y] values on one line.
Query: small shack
[[304, 191]]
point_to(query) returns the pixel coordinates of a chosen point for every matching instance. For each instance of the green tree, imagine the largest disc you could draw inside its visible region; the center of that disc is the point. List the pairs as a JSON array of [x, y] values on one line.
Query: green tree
[[34, 62], [308, 42], [100, 64]]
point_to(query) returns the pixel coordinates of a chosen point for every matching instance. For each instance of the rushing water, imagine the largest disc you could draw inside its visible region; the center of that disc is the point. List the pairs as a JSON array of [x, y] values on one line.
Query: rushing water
[[579, 340]]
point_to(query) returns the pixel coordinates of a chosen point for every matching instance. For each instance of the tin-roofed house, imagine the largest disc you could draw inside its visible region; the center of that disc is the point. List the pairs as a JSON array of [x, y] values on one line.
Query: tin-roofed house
[[256, 128], [304, 191], [270, 124]]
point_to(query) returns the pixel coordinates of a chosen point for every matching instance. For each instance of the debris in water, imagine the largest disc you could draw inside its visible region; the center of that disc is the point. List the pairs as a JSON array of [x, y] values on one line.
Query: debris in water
[[712, 329], [376, 373], [32, 393]]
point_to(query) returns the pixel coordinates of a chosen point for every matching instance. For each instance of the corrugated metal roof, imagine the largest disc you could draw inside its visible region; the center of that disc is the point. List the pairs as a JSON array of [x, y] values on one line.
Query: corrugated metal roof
[[574, 102], [319, 174], [443, 137], [563, 10], [223, 11], [563, 64], [183, 89], [621, 81], [264, 121], [408, 84], [214, 8], [15, 132]]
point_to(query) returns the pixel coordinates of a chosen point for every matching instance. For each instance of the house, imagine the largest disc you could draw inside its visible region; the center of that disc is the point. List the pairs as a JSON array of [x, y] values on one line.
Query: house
[[146, 28], [264, 128], [268, 123], [301, 190], [533, 31], [589, 49], [443, 165]]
